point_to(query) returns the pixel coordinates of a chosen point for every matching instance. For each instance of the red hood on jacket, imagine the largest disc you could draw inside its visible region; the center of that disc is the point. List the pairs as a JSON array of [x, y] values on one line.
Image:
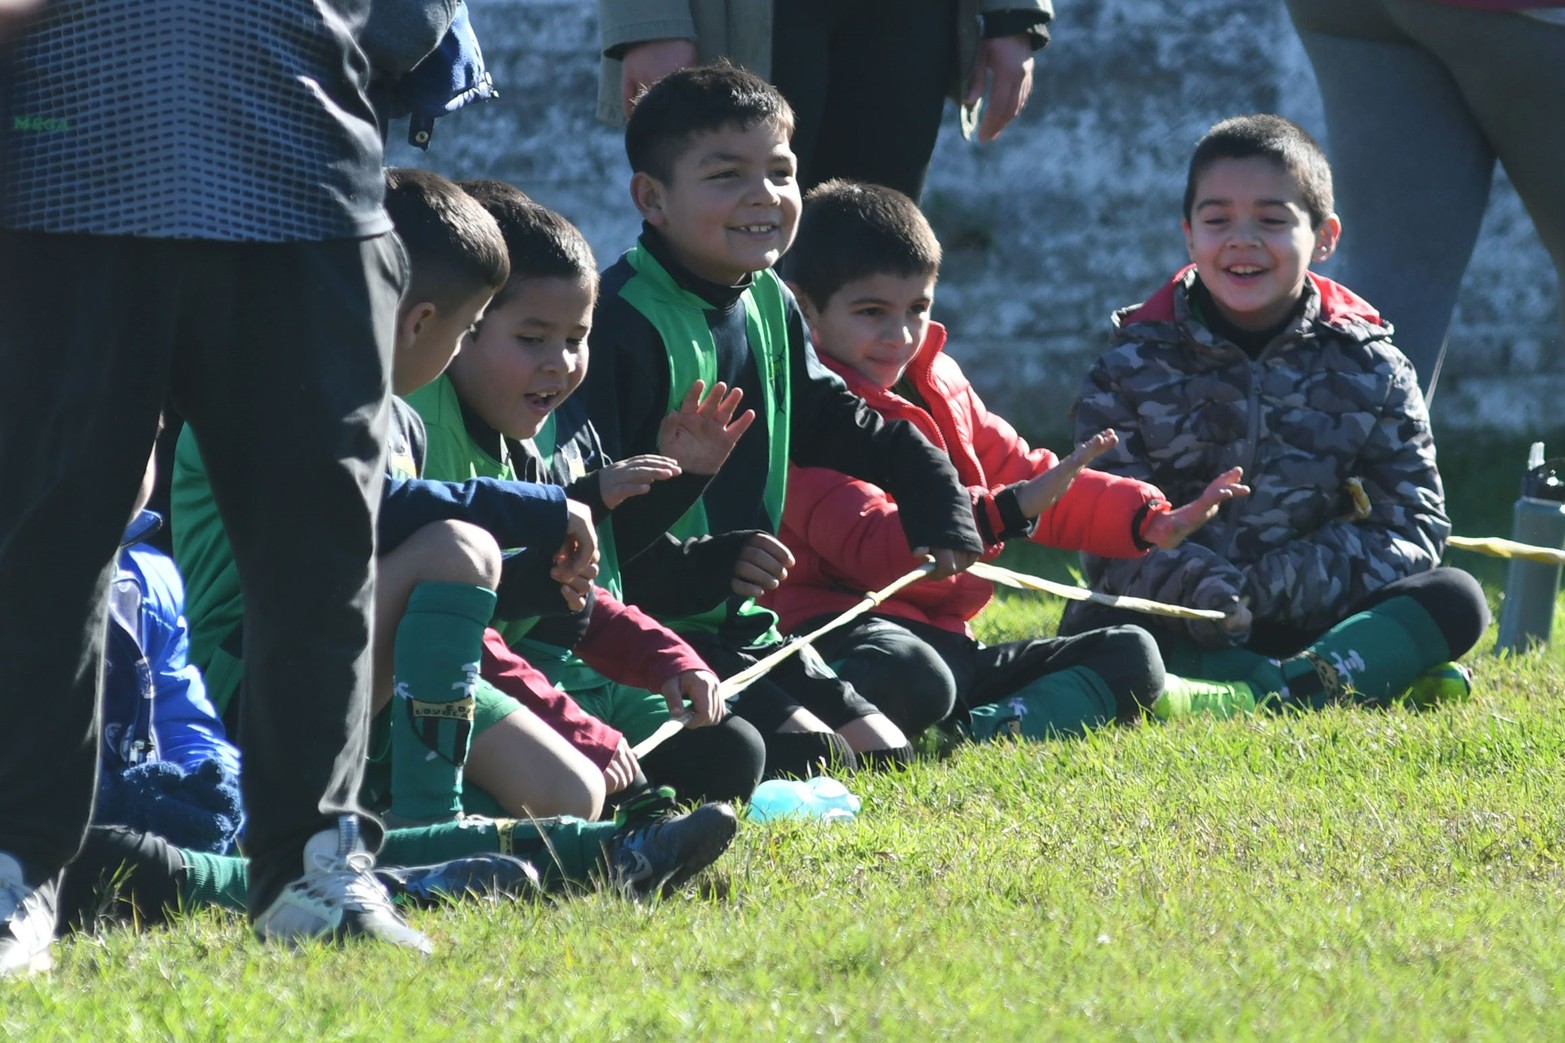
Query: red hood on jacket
[[1338, 304]]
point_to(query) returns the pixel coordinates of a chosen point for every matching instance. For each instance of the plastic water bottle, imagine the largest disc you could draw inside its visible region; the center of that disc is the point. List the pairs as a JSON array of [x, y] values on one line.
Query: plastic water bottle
[[1527, 615], [820, 798]]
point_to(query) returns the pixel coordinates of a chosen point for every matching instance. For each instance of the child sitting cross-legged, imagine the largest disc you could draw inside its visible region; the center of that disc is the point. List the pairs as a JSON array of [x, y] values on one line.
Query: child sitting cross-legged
[[864, 269], [1327, 572], [696, 299]]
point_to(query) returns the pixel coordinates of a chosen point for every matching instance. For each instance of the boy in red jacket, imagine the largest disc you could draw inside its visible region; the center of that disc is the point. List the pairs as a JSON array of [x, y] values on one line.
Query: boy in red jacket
[[864, 269]]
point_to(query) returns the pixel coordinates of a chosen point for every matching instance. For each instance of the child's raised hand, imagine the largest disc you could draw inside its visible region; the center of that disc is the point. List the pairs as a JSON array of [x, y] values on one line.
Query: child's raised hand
[[699, 689], [576, 562], [762, 566], [1169, 529], [633, 476], [1044, 491], [702, 432]]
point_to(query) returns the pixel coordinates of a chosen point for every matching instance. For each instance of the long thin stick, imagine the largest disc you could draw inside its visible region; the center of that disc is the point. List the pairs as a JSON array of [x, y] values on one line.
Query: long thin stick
[[1496, 547], [996, 574], [750, 674], [746, 677]]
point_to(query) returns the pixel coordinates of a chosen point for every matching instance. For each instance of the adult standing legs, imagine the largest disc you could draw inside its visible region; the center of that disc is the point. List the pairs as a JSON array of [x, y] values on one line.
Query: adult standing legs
[[283, 375]]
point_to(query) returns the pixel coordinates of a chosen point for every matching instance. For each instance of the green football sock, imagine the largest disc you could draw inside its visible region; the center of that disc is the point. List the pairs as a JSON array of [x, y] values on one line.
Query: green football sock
[[564, 850], [1070, 702], [1184, 658], [214, 880], [438, 649], [1369, 658]]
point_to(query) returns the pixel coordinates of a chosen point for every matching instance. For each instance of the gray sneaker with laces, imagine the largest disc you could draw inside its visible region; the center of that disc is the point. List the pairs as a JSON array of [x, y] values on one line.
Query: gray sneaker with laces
[[338, 897], [27, 917]]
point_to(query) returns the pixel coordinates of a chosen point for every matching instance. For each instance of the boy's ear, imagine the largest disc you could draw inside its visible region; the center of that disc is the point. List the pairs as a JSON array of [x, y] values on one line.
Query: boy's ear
[[1189, 242], [1326, 238], [413, 320], [647, 193]]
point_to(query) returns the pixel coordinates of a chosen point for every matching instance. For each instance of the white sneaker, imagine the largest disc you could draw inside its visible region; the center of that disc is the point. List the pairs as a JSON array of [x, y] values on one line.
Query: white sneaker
[[27, 917], [337, 897]]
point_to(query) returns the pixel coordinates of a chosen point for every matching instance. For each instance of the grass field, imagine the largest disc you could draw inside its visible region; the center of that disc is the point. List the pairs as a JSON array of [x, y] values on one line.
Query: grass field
[[1346, 875]]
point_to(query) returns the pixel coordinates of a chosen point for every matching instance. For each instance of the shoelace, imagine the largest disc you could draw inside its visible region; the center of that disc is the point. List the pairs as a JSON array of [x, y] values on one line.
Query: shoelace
[[349, 882]]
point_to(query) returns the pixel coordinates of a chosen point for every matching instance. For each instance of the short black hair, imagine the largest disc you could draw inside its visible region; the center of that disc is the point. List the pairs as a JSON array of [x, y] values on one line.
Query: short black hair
[[454, 246], [698, 100], [1283, 142], [851, 230], [542, 244]]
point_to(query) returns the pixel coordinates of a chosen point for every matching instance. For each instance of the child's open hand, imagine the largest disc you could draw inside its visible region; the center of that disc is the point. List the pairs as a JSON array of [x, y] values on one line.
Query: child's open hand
[[633, 476], [1040, 493], [576, 562], [699, 689], [762, 566], [702, 432], [1169, 529]]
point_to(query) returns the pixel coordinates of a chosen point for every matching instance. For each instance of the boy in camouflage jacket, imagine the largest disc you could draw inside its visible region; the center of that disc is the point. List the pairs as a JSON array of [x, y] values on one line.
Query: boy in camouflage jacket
[[1327, 571]]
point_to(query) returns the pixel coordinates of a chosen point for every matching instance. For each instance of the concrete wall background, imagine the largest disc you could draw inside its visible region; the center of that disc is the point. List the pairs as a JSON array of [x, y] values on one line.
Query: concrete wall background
[[1073, 212]]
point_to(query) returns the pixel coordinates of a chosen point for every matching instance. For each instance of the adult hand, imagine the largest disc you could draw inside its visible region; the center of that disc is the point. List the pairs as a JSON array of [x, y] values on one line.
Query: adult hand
[[633, 476], [620, 769], [701, 434], [948, 561], [762, 566], [576, 562], [1043, 491], [1009, 60], [648, 62], [1169, 529], [699, 689]]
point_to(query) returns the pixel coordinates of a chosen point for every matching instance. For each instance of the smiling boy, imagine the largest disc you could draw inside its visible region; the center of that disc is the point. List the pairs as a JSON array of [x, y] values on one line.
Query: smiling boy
[[1327, 571], [696, 299]]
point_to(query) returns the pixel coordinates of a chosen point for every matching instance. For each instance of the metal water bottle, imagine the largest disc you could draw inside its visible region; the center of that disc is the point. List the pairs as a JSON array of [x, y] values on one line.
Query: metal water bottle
[[1527, 615]]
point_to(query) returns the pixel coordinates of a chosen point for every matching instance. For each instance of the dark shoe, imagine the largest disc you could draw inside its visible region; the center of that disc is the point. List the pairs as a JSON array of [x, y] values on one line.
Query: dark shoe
[[338, 897], [26, 921], [658, 858], [472, 876]]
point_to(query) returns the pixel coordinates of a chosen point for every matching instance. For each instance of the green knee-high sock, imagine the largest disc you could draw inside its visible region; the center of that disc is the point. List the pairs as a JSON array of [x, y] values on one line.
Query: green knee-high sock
[[439, 645], [1070, 702], [1368, 658], [564, 850], [214, 880]]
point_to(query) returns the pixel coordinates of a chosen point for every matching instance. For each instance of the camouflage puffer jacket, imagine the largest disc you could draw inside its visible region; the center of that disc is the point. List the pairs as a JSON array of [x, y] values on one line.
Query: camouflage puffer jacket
[[1330, 428]]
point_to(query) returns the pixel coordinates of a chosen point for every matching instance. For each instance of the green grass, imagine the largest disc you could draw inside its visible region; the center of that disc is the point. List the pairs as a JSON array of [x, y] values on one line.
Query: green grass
[[1346, 875]]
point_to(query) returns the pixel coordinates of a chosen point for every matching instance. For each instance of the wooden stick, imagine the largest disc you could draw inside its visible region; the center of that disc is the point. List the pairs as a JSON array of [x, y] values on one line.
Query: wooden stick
[[996, 574], [1496, 547], [665, 731], [746, 677], [750, 674]]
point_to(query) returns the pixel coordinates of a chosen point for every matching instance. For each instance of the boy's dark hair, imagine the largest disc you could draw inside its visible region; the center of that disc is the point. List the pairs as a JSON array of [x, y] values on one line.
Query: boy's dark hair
[[698, 100], [542, 244], [453, 245], [850, 230], [1283, 142]]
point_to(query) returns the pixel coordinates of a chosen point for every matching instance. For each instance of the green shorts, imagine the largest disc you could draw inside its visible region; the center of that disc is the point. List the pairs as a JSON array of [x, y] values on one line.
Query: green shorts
[[634, 712]]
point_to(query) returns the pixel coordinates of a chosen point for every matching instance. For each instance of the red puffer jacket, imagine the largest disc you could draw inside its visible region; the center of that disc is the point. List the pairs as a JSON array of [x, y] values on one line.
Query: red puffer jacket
[[846, 535]]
